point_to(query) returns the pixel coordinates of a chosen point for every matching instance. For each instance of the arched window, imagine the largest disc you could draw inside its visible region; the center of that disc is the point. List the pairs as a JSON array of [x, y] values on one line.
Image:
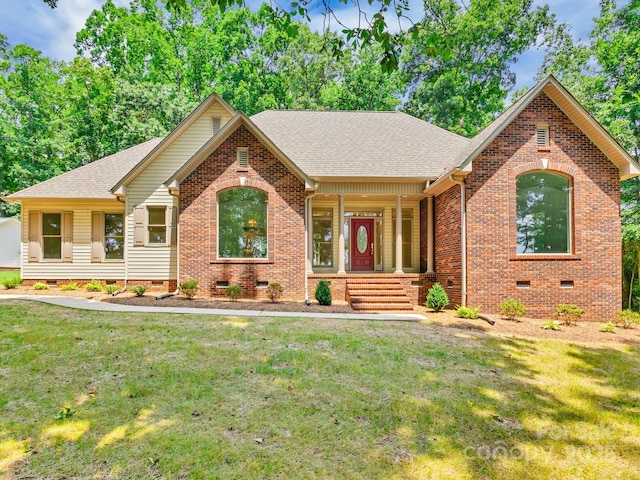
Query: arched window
[[242, 223], [543, 213]]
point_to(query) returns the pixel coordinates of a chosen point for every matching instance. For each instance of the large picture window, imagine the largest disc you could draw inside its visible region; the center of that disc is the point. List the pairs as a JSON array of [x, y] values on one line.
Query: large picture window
[[242, 223], [543, 211]]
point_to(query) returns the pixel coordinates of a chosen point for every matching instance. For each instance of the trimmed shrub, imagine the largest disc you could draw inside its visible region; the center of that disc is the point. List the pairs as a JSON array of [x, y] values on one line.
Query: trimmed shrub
[[553, 325], [11, 282], [568, 313], [111, 288], [233, 292], [323, 292], [608, 327], [40, 286], [93, 286], [437, 298], [512, 308], [138, 290], [467, 312], [627, 318], [69, 286], [274, 291], [189, 288]]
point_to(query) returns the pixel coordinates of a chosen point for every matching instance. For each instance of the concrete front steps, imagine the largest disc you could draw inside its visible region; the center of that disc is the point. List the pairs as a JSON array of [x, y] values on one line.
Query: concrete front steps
[[371, 294]]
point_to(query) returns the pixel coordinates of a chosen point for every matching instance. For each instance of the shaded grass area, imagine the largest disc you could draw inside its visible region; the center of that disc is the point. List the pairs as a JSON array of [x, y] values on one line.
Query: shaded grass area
[[170, 396]]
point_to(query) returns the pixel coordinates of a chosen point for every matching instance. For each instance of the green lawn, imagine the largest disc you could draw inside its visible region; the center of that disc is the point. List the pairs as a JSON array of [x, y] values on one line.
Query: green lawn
[[4, 274], [178, 396]]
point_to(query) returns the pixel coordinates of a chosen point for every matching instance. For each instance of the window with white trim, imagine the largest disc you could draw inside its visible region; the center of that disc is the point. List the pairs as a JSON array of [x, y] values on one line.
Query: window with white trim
[[407, 222], [543, 213], [242, 223], [322, 237], [157, 225], [107, 237], [50, 236]]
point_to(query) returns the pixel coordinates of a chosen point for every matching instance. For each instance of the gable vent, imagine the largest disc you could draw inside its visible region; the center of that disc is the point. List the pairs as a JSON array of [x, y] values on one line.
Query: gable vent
[[216, 124], [243, 158], [542, 136]]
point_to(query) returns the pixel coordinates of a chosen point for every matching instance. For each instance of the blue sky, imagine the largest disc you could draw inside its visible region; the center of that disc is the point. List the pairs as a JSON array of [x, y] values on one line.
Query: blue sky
[[53, 31]]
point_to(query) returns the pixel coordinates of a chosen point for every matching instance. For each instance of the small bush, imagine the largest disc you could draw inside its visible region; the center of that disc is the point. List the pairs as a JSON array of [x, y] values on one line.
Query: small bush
[[568, 313], [40, 286], [323, 292], [553, 325], [138, 290], [437, 298], [512, 308], [467, 312], [11, 282], [608, 327], [93, 286], [233, 292], [110, 289], [274, 290], [69, 286], [627, 318], [189, 288]]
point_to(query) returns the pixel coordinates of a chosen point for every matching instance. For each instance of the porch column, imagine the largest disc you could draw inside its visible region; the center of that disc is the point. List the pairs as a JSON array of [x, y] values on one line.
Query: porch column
[[341, 268], [430, 237], [309, 239], [399, 235]]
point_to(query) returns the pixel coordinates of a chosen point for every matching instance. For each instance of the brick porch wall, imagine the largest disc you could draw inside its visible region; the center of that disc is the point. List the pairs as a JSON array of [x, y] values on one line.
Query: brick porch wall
[[285, 231], [493, 266]]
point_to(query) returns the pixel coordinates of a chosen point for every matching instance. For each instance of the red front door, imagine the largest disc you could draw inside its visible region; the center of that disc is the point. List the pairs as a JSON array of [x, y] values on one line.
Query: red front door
[[362, 244]]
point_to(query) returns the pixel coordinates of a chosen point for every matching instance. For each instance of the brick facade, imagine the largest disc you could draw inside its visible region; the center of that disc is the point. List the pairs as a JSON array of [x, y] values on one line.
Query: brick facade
[[493, 268], [285, 261], [448, 244]]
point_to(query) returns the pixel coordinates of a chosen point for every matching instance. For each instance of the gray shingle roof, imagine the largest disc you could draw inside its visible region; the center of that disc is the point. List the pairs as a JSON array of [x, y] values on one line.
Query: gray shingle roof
[[361, 144], [93, 180]]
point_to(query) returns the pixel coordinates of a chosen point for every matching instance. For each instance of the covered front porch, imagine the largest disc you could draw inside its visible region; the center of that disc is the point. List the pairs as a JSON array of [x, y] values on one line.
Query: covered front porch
[[378, 234]]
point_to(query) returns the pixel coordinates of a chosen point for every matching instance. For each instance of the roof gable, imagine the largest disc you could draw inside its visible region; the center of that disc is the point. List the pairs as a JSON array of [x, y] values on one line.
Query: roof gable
[[231, 126], [169, 139], [572, 108]]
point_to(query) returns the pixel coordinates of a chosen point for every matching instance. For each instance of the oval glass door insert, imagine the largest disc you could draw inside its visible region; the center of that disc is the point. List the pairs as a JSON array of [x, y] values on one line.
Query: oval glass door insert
[[362, 239]]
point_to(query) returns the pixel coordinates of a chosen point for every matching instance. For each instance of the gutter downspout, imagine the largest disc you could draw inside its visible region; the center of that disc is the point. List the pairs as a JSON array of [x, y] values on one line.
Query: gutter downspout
[[463, 236], [173, 294], [307, 214]]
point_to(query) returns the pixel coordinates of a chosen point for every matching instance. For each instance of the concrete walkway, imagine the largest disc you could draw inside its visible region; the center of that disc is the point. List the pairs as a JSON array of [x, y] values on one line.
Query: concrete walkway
[[87, 304]]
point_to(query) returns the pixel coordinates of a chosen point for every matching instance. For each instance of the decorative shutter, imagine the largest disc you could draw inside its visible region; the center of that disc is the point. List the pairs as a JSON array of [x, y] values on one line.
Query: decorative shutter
[[34, 236], [138, 225], [97, 235], [243, 158], [172, 221], [67, 236], [542, 136], [216, 124]]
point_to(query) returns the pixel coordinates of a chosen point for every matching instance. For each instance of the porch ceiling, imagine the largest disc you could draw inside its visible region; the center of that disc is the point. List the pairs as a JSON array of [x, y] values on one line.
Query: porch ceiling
[[368, 198]]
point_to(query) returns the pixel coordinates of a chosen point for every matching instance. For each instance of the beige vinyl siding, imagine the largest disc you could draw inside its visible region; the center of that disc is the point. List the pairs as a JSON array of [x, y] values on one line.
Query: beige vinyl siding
[[80, 266], [160, 262]]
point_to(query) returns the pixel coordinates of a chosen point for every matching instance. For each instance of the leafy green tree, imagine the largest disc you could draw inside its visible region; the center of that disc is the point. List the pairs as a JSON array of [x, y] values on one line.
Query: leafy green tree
[[32, 133], [465, 91]]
